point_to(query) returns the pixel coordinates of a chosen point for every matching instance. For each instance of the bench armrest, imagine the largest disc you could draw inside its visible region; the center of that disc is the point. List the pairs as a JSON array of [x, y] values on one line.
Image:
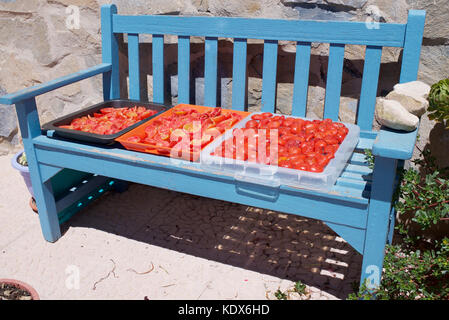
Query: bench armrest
[[31, 92], [395, 144]]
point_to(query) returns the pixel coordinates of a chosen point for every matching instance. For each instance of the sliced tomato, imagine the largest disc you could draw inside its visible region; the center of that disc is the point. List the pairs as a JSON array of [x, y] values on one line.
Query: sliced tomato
[[257, 117], [106, 110], [315, 168], [266, 115], [134, 139], [219, 119], [252, 124]]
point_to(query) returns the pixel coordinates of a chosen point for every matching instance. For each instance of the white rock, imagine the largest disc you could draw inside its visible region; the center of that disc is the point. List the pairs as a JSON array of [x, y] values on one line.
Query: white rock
[[414, 105], [392, 114], [412, 96], [416, 89]]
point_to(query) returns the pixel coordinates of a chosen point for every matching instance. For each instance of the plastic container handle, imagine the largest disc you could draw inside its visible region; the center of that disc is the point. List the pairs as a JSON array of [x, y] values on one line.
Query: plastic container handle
[[268, 181], [255, 187]]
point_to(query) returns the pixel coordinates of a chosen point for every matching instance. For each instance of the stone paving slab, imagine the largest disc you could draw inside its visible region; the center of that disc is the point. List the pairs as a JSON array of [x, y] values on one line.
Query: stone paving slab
[[160, 244]]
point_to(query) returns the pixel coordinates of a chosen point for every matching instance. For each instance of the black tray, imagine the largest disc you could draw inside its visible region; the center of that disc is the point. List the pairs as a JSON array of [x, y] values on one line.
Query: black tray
[[53, 126]]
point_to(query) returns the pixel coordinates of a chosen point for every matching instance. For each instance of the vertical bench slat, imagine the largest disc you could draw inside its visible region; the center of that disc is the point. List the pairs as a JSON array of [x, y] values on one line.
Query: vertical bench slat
[[370, 80], [412, 45], [158, 68], [183, 69], [109, 51], [239, 74], [334, 78], [301, 80], [133, 62], [210, 71], [270, 52]]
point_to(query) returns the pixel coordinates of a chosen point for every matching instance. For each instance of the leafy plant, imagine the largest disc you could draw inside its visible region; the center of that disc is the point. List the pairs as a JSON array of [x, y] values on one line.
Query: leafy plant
[[300, 287], [369, 157], [423, 195], [417, 268], [439, 102], [23, 160], [361, 293], [412, 275], [280, 295]]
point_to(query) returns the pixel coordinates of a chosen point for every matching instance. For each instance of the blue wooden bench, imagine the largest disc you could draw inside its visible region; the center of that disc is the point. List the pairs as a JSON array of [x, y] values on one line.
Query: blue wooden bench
[[359, 206]]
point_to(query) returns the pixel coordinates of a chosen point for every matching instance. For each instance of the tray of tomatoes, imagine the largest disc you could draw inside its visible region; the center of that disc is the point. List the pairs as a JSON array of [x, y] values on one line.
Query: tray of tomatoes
[[182, 131], [104, 122], [284, 150]]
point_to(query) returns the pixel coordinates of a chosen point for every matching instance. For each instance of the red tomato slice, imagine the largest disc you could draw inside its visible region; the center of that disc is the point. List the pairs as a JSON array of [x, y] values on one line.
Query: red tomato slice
[[315, 168], [106, 110], [257, 117], [252, 124], [133, 139], [331, 140], [266, 115], [219, 119], [288, 122], [274, 124]]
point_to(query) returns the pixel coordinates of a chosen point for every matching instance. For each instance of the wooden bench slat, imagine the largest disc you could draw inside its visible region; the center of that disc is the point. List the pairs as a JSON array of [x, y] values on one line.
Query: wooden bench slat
[[354, 184], [359, 193], [412, 45], [210, 71], [134, 66], [358, 168], [270, 53], [301, 79], [109, 54], [365, 143], [343, 32], [239, 86], [334, 80], [158, 68], [355, 176], [370, 81], [183, 69]]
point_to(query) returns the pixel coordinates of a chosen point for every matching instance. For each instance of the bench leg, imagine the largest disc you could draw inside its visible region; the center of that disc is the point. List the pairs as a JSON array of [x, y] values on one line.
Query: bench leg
[[378, 221], [401, 165], [391, 227], [46, 207], [43, 193]]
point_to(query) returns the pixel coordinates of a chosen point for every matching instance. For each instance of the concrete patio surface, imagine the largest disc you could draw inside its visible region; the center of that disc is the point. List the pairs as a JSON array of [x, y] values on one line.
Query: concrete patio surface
[[158, 244]]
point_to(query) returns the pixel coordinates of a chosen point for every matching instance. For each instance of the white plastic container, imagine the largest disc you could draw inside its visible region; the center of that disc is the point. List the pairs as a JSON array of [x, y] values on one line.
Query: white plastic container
[[274, 176]]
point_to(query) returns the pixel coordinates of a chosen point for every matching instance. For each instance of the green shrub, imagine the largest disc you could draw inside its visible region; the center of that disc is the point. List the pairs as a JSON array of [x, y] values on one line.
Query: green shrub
[[417, 268], [439, 102], [23, 160]]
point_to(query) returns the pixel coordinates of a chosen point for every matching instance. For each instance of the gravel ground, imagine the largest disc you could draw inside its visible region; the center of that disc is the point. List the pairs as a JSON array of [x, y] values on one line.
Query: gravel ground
[[158, 244]]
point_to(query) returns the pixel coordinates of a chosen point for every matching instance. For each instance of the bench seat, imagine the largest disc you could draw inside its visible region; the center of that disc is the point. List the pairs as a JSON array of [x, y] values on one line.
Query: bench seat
[[352, 186], [343, 208]]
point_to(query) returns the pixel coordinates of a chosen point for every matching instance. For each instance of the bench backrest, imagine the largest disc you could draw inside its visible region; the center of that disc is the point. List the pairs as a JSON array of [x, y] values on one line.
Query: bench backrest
[[304, 32]]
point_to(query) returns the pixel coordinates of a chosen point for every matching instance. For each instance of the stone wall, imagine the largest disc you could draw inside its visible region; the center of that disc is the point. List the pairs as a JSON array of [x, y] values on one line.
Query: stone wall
[[37, 46]]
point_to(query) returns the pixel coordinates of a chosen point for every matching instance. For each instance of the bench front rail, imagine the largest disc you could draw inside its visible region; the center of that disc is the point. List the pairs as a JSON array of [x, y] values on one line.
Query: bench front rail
[[358, 207]]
